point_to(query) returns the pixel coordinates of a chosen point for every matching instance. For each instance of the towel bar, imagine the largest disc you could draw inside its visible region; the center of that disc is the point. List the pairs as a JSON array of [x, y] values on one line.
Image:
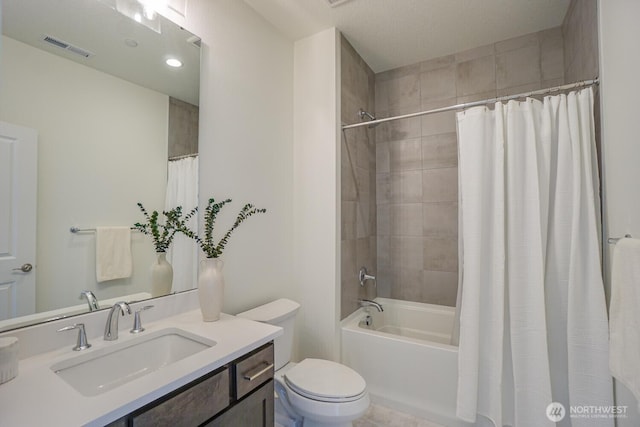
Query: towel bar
[[87, 230]]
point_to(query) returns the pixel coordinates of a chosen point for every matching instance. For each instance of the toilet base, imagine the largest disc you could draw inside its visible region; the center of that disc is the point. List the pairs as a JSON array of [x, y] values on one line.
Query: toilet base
[[294, 410]]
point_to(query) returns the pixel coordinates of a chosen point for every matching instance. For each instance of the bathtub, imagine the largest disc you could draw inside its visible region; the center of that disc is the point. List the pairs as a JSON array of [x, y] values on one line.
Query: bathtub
[[406, 357]]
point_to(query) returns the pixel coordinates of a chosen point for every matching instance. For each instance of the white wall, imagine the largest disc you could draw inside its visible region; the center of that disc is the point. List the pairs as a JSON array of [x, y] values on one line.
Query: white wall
[[316, 192], [246, 152], [620, 62], [80, 114]]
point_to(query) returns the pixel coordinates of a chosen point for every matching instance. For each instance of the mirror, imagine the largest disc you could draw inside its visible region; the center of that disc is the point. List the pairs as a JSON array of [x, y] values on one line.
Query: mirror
[[108, 112]]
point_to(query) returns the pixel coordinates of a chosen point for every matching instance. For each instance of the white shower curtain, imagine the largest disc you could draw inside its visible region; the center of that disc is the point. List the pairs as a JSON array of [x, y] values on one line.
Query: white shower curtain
[[533, 325], [182, 190]]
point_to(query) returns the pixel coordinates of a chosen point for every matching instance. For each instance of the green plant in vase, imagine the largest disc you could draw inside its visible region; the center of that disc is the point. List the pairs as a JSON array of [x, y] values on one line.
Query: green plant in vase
[[162, 235], [210, 277], [209, 246]]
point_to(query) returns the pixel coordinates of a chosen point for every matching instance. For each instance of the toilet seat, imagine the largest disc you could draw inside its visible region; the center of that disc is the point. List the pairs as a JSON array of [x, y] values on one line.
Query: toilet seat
[[325, 381]]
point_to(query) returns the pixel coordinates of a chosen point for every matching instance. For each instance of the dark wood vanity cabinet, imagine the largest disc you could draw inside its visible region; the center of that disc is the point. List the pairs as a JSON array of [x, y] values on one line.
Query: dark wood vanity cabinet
[[239, 394]]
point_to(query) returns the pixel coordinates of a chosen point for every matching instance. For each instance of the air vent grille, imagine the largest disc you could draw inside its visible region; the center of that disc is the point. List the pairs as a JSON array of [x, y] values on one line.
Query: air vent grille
[[67, 46]]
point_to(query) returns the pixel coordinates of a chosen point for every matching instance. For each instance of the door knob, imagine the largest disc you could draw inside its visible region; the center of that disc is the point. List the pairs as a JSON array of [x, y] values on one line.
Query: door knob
[[25, 268]]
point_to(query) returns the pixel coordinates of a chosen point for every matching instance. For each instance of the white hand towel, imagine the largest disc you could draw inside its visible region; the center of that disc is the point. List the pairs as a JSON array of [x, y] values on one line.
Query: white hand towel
[[113, 253], [624, 315]]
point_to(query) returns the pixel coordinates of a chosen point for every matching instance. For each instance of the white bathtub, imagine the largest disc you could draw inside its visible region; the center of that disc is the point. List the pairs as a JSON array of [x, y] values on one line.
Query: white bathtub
[[406, 358]]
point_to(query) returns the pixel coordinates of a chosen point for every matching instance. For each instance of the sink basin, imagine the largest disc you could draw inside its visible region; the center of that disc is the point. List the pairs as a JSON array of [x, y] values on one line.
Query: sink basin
[[105, 369]]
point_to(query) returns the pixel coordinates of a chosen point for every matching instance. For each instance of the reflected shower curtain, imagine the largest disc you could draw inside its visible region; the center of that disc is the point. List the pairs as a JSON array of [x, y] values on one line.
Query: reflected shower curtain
[[182, 190], [533, 323]]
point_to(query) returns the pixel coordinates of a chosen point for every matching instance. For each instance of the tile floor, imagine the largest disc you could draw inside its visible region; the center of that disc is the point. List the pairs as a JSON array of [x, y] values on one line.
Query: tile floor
[[380, 416]]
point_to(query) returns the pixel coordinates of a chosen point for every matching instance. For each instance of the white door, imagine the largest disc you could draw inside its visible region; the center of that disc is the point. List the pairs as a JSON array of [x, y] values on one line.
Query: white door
[[18, 195]]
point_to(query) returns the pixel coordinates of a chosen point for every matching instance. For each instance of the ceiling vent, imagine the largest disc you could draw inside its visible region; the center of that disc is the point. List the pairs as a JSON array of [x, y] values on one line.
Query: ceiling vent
[[67, 46], [336, 3]]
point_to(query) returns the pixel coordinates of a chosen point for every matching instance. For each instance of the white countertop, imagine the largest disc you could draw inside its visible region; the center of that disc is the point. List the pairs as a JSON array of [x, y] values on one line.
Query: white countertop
[[38, 397]]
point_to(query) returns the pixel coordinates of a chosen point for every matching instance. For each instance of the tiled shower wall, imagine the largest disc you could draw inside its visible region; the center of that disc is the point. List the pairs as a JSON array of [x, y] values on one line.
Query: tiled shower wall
[[581, 58], [580, 33], [358, 174], [416, 159], [183, 128]]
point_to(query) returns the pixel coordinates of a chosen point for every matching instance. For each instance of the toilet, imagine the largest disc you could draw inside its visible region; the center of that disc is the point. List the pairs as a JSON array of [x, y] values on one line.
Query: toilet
[[313, 392]]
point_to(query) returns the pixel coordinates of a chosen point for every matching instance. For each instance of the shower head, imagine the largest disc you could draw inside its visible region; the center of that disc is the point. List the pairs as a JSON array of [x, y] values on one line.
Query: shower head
[[362, 114]]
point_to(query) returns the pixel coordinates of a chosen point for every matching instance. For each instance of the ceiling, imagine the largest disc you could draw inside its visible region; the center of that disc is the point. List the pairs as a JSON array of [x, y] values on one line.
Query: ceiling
[[393, 33], [96, 26]]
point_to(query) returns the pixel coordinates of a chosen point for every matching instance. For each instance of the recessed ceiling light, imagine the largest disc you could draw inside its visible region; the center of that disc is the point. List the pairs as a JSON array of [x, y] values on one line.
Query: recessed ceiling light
[[173, 62]]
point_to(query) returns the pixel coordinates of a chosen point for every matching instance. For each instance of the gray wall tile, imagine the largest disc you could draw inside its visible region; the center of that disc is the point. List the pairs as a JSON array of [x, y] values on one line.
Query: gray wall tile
[[440, 287], [438, 123], [476, 75], [405, 155], [399, 129], [551, 54], [580, 38], [440, 219], [182, 128], [440, 185], [441, 254], [518, 67], [405, 219], [439, 83], [383, 161], [440, 151]]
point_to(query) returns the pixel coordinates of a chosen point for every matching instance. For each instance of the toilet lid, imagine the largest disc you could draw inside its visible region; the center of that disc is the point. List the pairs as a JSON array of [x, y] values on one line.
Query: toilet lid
[[325, 380]]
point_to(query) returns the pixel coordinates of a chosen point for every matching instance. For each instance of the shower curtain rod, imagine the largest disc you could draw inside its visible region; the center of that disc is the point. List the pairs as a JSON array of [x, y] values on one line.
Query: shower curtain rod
[[583, 83]]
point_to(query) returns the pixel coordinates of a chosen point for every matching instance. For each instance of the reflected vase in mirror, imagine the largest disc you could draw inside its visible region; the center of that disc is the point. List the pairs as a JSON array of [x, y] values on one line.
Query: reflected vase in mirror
[[210, 288], [161, 276]]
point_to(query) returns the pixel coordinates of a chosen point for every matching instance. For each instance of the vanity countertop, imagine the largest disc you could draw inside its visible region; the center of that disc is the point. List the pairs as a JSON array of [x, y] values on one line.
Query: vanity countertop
[[38, 397]]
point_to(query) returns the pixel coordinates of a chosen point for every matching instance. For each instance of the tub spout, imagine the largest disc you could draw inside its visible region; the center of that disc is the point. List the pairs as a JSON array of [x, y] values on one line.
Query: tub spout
[[369, 303]]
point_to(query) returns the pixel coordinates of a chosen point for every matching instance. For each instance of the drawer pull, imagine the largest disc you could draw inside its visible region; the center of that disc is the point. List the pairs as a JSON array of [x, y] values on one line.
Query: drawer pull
[[249, 377]]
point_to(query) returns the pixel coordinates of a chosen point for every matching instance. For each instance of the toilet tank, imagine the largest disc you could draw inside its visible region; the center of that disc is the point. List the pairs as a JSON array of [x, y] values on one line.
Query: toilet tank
[[281, 313]]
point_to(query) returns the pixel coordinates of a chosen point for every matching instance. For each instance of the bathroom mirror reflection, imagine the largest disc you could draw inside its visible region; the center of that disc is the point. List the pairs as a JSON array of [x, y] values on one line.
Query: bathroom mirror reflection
[[108, 112]]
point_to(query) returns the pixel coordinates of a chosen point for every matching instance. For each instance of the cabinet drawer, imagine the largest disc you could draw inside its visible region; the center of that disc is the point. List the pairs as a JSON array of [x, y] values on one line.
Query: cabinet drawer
[[254, 370], [190, 407]]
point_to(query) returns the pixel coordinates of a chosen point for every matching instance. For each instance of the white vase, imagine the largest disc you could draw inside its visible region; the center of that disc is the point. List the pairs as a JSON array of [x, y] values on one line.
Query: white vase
[[210, 288], [161, 276]]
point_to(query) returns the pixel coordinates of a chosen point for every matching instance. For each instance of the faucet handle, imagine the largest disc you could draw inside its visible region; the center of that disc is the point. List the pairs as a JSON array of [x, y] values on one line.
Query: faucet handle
[[363, 276], [82, 343], [137, 323]]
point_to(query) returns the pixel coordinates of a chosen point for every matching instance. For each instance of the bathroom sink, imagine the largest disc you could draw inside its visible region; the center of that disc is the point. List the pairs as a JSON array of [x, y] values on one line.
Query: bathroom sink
[[105, 369]]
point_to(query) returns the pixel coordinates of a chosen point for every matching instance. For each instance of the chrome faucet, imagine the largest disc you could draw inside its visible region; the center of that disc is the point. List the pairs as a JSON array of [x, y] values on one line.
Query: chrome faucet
[[91, 300], [82, 343], [369, 303], [363, 276], [111, 327]]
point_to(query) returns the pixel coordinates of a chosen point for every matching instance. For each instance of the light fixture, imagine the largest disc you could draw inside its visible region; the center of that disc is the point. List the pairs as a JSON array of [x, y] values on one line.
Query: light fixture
[[174, 62], [142, 11]]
